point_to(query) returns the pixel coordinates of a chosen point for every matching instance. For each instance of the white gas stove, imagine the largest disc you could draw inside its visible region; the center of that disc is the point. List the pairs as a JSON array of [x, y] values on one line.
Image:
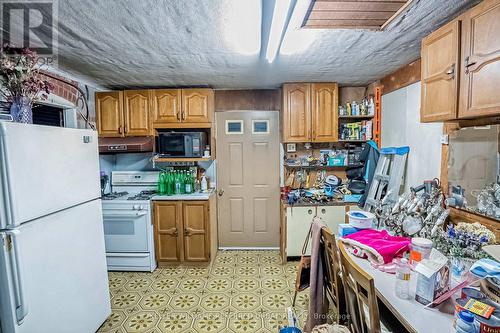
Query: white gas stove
[[128, 228]]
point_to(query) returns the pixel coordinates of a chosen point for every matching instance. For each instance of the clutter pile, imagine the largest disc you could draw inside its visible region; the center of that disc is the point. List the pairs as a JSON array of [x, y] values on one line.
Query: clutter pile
[[418, 213], [488, 201]]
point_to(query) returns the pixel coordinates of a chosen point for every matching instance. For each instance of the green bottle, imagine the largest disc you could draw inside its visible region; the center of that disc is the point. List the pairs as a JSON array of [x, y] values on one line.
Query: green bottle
[[183, 181], [177, 182], [161, 183], [168, 183], [188, 184]]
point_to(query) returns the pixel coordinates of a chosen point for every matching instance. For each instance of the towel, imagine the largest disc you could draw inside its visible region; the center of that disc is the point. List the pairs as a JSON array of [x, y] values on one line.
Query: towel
[[484, 268], [377, 245], [317, 305]]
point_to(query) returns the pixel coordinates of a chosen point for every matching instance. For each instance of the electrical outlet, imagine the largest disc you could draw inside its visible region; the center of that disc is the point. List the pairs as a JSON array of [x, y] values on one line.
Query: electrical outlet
[[444, 139]]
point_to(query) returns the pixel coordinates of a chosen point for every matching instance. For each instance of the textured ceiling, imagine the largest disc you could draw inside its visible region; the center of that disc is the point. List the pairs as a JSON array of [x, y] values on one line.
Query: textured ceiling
[[148, 43]]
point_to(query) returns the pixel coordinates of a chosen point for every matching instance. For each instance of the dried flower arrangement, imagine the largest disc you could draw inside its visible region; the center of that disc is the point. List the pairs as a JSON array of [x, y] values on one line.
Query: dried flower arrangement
[[20, 82], [20, 75], [465, 240]]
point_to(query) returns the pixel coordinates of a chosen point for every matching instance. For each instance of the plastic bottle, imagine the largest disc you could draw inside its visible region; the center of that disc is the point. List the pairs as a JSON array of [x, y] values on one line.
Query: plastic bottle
[[403, 279], [204, 184], [465, 322]]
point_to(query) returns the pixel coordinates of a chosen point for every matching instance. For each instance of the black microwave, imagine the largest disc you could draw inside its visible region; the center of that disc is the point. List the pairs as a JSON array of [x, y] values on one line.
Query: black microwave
[[181, 144]]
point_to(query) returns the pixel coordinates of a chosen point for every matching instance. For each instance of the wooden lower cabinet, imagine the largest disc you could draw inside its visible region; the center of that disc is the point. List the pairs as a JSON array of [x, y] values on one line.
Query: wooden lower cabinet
[[196, 230], [167, 230], [182, 231]]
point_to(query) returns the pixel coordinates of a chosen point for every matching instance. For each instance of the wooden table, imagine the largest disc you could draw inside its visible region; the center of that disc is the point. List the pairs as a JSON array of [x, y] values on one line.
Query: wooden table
[[411, 314]]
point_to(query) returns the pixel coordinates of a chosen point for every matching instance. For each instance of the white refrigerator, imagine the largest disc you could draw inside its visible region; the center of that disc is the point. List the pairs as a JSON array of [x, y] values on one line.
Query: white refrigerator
[[53, 274]]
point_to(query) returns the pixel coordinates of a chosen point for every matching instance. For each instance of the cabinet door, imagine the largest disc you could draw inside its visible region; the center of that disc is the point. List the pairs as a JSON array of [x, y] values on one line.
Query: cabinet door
[[298, 221], [197, 105], [324, 112], [168, 230], [196, 236], [440, 60], [332, 216], [136, 111], [297, 112], [109, 113], [166, 105], [480, 70]]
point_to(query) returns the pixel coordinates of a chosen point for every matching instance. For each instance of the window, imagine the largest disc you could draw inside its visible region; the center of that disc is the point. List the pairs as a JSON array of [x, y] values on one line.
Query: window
[[260, 126], [234, 126]]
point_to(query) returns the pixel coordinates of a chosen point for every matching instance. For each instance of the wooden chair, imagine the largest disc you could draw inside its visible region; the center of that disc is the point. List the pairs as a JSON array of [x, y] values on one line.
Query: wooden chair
[[333, 283], [360, 295]]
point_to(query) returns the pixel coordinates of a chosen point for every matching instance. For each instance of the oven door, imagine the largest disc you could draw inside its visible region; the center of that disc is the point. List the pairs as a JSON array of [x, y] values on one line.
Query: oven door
[[126, 230]]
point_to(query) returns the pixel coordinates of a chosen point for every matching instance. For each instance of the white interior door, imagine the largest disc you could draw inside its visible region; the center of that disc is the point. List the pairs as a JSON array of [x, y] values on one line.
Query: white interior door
[[53, 270], [248, 179], [45, 169]]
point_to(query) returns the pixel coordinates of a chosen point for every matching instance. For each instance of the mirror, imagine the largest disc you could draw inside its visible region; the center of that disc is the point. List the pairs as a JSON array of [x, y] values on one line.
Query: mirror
[[473, 169]]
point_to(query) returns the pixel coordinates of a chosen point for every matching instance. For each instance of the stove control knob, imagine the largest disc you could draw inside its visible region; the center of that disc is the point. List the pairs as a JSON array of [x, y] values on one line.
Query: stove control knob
[[136, 207], [141, 207]]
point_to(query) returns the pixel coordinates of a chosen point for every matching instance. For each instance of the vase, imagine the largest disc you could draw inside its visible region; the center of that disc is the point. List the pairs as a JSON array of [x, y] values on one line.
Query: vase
[[459, 267], [21, 110]]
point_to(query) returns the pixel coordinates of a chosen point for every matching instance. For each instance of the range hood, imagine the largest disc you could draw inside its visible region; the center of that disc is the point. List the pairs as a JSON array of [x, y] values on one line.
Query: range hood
[[132, 144]]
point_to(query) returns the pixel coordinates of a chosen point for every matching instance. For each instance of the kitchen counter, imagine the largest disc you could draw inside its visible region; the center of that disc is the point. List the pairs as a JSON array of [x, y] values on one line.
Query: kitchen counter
[[192, 196]]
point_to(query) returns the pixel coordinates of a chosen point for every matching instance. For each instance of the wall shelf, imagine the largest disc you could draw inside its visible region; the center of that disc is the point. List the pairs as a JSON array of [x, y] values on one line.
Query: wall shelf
[[321, 167], [353, 141], [357, 117], [180, 159]]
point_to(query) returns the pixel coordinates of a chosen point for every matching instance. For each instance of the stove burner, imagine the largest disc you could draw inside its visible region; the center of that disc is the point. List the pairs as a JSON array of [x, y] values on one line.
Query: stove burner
[[114, 195], [143, 195]]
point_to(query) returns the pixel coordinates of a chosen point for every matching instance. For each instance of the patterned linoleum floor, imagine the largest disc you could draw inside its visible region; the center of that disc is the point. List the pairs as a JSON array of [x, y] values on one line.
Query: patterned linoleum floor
[[243, 291]]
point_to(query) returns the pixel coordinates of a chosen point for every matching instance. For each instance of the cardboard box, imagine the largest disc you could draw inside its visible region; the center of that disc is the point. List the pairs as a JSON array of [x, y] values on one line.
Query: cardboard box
[[433, 278]]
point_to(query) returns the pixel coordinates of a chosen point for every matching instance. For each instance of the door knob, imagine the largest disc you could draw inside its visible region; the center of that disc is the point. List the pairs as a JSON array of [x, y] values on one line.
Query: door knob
[[323, 211], [221, 192]]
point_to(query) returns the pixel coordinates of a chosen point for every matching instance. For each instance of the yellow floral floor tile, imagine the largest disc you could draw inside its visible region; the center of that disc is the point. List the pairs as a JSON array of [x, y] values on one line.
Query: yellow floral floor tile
[[242, 291]]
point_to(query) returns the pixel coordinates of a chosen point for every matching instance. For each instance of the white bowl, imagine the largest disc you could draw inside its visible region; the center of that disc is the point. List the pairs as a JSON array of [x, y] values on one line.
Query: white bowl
[[360, 219]]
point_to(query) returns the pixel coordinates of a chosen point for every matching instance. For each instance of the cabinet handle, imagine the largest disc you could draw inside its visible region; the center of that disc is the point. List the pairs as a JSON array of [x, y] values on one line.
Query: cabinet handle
[[183, 115], [178, 116], [323, 211], [186, 232], [126, 129], [451, 72], [120, 129], [310, 211], [468, 64], [176, 233]]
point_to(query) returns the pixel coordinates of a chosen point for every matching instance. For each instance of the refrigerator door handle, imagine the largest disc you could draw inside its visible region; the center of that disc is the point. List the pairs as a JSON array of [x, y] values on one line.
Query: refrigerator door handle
[[21, 304]]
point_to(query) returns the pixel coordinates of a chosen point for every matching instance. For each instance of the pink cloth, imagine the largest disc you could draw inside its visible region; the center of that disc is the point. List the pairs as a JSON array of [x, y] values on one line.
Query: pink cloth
[[377, 245]]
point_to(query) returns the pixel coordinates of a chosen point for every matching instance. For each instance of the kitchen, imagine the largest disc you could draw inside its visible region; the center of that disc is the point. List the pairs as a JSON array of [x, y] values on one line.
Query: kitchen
[[175, 186]]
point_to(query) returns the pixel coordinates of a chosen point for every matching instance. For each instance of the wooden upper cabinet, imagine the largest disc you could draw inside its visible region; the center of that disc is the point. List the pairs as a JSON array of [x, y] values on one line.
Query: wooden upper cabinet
[[166, 105], [196, 234], [480, 70], [297, 112], [168, 230], [136, 110], [440, 55], [109, 113], [324, 112], [197, 105]]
